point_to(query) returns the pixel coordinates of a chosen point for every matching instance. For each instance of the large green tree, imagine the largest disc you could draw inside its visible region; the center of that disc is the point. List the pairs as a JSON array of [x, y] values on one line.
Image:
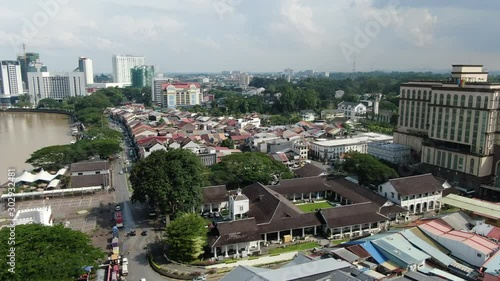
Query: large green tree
[[173, 179], [103, 133], [368, 169], [46, 253], [241, 169], [50, 157], [186, 236]]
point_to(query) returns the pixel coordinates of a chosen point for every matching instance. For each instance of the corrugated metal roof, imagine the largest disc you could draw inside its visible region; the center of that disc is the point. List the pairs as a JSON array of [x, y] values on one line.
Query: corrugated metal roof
[[458, 220], [345, 255], [396, 246], [424, 246], [430, 241], [483, 207], [376, 254], [493, 265]]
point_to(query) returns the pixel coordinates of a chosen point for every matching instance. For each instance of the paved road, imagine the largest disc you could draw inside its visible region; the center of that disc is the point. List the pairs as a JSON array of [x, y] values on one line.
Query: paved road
[[134, 217]]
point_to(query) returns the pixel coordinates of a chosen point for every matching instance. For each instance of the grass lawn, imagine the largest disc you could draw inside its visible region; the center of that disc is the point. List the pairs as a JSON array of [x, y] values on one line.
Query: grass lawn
[[311, 207], [292, 248]]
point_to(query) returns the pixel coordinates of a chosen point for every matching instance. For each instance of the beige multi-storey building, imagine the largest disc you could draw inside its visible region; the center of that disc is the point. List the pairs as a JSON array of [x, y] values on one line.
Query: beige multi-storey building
[[454, 127]]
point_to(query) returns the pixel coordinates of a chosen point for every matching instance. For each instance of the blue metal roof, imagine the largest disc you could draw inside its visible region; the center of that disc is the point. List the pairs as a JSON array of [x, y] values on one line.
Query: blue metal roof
[[376, 254]]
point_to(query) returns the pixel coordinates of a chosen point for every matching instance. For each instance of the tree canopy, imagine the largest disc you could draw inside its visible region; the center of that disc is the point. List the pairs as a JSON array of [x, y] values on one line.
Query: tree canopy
[[186, 236], [241, 169], [368, 169], [173, 179], [57, 156], [47, 253]]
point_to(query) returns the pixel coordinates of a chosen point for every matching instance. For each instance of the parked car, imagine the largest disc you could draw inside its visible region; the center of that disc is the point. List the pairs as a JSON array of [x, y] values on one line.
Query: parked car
[[200, 278], [131, 233], [117, 207], [124, 261], [144, 233]]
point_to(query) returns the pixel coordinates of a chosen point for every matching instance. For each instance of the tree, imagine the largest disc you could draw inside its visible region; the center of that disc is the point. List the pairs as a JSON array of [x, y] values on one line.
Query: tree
[[50, 157], [368, 169], [105, 148], [47, 253], [229, 143], [100, 133], [173, 179], [241, 169], [186, 236], [49, 103]]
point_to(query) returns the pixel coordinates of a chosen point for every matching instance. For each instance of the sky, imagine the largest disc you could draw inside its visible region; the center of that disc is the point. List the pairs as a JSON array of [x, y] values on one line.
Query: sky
[[255, 35]]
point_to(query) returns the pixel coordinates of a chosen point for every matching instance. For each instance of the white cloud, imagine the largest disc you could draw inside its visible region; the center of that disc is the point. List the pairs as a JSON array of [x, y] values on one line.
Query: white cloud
[[209, 43], [144, 28], [297, 20], [416, 26]]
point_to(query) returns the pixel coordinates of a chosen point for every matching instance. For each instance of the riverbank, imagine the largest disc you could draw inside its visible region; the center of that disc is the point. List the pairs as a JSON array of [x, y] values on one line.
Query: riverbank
[[42, 110]]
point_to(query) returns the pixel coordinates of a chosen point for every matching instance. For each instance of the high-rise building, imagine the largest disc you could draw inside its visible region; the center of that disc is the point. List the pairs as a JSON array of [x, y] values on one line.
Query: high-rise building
[[57, 86], [85, 66], [37, 66], [142, 76], [245, 79], [25, 61], [122, 64], [454, 127], [11, 78], [157, 89]]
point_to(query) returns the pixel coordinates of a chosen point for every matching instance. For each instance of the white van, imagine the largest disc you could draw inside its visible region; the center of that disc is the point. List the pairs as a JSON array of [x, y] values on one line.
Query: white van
[[124, 270]]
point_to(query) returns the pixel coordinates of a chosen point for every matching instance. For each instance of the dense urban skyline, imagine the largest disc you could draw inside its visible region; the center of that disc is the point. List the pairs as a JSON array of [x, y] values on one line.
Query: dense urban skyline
[[214, 35]]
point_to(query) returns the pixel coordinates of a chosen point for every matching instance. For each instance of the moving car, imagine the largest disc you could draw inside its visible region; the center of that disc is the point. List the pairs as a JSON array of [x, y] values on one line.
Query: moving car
[[117, 207]]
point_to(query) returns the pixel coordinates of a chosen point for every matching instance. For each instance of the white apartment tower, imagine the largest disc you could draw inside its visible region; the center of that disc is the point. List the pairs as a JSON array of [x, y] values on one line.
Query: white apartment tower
[[122, 66], [11, 80], [455, 128], [55, 85], [85, 66]]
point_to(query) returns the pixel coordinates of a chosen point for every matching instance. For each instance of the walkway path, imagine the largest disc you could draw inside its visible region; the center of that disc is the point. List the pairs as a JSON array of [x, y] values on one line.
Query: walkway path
[[260, 261]]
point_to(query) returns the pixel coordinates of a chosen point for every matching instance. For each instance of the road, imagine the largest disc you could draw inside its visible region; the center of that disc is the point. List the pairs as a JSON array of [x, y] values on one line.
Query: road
[[134, 217]]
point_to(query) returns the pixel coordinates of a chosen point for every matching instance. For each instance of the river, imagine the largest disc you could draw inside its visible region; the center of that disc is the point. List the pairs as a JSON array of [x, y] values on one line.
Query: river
[[22, 133]]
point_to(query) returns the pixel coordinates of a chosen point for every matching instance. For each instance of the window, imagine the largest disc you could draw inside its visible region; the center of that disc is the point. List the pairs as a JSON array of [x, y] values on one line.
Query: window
[[448, 99], [438, 162], [425, 95], [485, 102], [413, 94], [241, 208], [478, 255], [403, 93], [455, 100], [470, 101], [392, 195], [80, 174], [478, 102], [462, 102], [441, 99], [471, 166], [418, 94], [98, 172]]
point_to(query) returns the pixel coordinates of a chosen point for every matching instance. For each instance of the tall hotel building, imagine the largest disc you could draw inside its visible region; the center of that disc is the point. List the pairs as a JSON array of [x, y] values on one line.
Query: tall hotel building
[[85, 66], [454, 127], [56, 86], [122, 66]]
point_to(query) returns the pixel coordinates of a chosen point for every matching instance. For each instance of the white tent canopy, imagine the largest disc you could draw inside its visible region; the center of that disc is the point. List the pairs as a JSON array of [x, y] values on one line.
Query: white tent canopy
[[41, 176]]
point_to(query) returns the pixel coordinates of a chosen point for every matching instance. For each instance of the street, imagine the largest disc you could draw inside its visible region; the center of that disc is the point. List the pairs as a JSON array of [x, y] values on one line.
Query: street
[[134, 217]]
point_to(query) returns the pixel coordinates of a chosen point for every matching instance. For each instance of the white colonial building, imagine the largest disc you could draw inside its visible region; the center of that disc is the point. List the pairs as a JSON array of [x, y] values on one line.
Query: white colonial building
[[417, 194], [239, 204], [352, 110]]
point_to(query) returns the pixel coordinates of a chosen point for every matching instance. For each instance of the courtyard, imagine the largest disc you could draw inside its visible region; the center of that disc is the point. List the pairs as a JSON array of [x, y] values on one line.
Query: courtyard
[[313, 207]]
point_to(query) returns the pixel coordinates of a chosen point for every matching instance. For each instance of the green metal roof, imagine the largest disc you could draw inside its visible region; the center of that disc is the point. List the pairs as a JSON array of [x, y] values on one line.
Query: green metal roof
[[485, 208]]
